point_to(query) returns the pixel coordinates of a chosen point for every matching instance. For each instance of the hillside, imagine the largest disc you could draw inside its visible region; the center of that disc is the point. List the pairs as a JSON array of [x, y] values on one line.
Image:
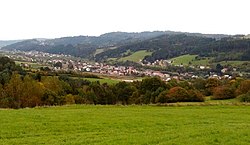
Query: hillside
[[170, 46], [8, 42], [82, 46], [86, 46], [161, 44]]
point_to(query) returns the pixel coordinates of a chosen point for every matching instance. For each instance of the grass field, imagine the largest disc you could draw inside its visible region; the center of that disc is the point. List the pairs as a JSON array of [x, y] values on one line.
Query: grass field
[[103, 80], [183, 59], [81, 124], [186, 59], [33, 65], [136, 57]]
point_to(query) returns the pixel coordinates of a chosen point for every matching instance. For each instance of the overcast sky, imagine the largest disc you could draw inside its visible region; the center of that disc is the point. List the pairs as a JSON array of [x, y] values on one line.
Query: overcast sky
[[23, 19]]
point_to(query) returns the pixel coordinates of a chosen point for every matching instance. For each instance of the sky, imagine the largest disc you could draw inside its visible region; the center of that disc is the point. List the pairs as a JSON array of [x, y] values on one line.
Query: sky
[[26, 19]]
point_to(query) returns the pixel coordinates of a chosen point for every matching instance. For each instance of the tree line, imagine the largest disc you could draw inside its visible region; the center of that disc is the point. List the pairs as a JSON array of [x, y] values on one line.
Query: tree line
[[20, 90], [30, 91]]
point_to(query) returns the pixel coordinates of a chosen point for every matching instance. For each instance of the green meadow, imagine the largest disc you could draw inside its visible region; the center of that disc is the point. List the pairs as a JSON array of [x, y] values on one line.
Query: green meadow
[[190, 60], [123, 125], [137, 56], [103, 80]]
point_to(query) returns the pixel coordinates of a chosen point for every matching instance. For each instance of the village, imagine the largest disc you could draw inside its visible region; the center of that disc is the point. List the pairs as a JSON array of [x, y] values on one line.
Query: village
[[60, 62]]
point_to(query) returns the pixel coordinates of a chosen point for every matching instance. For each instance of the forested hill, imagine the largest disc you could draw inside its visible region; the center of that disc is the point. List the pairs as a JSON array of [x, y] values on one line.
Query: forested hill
[[169, 46], [82, 46], [86, 46], [8, 42]]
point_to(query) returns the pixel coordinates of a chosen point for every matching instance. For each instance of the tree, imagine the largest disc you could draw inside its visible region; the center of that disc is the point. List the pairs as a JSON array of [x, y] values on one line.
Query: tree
[[3, 100], [218, 68], [123, 91], [161, 98], [211, 83], [195, 96], [32, 92], [200, 84], [54, 93], [14, 91], [152, 84], [58, 64], [177, 94]]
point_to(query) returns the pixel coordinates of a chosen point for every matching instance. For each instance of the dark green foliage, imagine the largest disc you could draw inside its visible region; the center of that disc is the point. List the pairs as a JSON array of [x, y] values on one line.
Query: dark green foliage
[[123, 91], [152, 84], [169, 46], [51, 98], [82, 46], [244, 97], [161, 98], [7, 66], [58, 64]]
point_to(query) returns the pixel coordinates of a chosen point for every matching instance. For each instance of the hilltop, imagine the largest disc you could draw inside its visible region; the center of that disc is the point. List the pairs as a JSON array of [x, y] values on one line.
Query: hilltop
[[89, 46]]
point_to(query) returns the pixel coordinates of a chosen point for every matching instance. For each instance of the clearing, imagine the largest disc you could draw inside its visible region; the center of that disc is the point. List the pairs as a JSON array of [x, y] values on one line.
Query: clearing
[[137, 56]]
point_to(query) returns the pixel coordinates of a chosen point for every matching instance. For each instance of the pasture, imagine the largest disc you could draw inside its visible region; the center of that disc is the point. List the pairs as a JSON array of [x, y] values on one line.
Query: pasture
[[136, 57], [103, 80], [190, 60], [89, 124], [31, 64]]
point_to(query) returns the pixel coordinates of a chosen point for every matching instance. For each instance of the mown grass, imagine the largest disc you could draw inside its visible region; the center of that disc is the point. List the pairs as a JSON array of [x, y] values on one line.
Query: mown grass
[[86, 124], [136, 57]]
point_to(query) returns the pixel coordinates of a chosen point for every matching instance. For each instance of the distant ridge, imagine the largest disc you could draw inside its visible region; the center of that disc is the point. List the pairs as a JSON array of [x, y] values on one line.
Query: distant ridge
[[162, 44]]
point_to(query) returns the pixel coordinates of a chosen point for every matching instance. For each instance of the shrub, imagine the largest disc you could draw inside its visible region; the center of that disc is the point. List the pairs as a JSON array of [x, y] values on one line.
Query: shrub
[[243, 88], [179, 94], [195, 96], [161, 98], [244, 97], [223, 92], [69, 99]]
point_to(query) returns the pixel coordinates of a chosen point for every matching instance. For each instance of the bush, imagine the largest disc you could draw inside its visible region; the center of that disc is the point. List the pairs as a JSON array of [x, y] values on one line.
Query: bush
[[69, 99], [179, 94], [244, 97], [161, 98], [196, 96], [243, 88], [223, 92]]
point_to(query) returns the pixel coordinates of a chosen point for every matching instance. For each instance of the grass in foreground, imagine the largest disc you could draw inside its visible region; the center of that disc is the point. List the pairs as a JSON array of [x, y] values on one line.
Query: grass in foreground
[[80, 124]]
